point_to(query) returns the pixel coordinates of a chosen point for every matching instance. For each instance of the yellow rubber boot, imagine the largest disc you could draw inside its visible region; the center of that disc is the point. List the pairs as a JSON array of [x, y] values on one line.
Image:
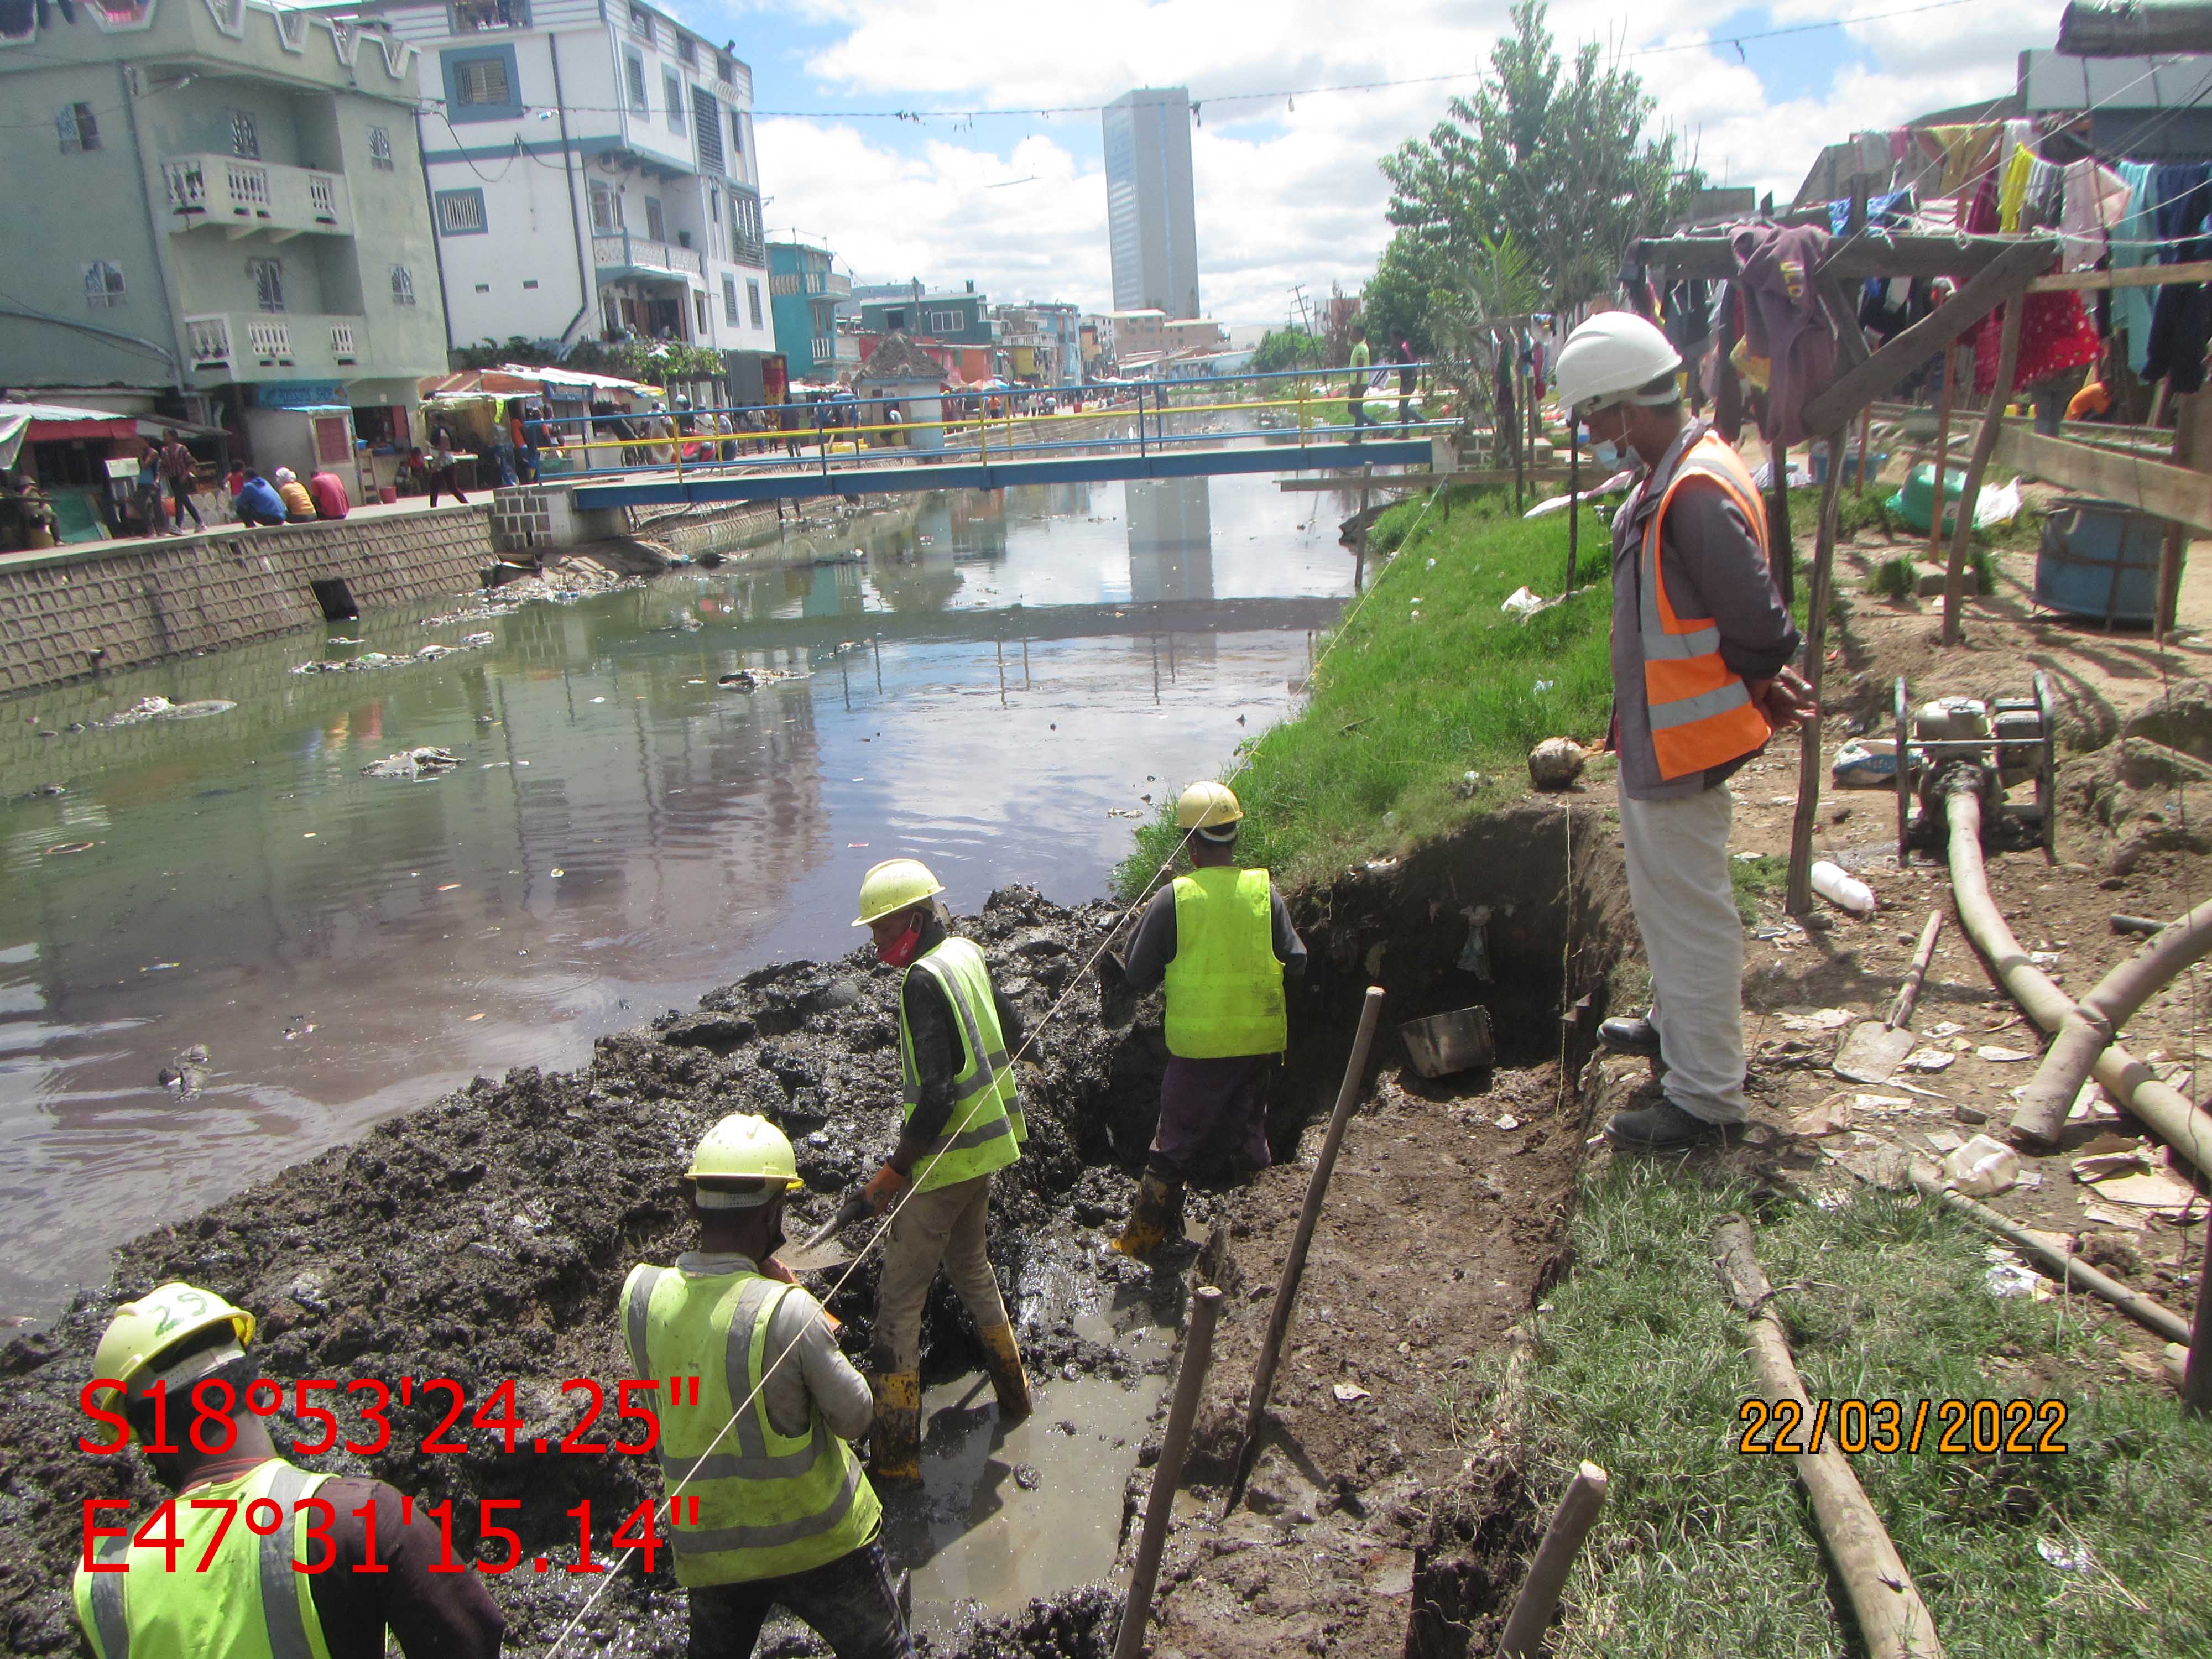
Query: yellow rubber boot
[[1002, 1358], [895, 1441], [1157, 1205]]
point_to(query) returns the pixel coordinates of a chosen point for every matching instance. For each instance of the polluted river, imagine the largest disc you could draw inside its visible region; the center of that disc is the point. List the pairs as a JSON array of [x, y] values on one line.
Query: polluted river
[[229, 956]]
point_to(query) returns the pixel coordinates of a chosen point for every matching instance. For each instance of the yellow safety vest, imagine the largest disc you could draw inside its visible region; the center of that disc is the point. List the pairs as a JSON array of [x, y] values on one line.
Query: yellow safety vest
[[1702, 714], [249, 1604], [986, 1129], [1224, 987], [769, 1504]]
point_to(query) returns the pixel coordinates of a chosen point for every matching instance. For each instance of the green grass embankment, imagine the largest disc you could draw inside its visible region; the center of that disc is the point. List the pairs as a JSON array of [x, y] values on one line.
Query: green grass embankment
[[1425, 680]]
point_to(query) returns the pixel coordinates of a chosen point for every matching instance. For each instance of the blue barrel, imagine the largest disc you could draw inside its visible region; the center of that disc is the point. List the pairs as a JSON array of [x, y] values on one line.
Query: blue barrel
[[2099, 560]]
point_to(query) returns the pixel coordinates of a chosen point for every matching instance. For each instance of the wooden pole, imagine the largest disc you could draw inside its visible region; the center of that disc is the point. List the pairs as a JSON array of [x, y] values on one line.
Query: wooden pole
[[1523, 1638], [1893, 1622], [1798, 895], [1167, 1473], [1294, 1264], [1866, 420], [2196, 1381], [1779, 546], [1943, 405], [1962, 536], [1519, 404], [1574, 492]]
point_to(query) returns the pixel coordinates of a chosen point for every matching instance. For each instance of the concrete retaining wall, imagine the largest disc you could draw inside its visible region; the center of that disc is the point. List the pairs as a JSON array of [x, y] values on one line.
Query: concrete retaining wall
[[77, 610]]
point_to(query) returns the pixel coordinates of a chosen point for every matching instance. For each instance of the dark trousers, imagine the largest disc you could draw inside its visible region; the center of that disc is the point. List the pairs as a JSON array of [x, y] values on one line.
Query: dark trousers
[[180, 492], [444, 479], [848, 1601], [1210, 1107], [1359, 408], [247, 515]]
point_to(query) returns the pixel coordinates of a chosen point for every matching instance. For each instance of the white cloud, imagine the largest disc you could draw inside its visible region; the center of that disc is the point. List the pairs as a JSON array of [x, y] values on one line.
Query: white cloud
[[1284, 196]]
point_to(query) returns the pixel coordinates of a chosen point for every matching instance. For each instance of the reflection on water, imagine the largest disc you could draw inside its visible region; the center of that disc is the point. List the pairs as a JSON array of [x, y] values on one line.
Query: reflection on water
[[988, 684]]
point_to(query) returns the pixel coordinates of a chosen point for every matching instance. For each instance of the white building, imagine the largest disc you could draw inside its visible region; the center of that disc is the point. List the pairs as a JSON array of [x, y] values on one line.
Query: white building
[[592, 173]]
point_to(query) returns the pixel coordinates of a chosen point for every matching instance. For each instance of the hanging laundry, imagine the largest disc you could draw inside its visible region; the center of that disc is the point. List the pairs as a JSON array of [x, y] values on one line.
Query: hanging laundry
[[1783, 322], [1961, 152], [2181, 318], [2133, 240], [2096, 202], [2012, 194], [2054, 335]]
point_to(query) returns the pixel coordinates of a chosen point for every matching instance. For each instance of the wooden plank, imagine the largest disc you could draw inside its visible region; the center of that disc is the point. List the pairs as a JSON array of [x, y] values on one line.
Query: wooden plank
[[2158, 488], [1933, 333], [1348, 481], [2097, 282], [1871, 253], [1797, 894]]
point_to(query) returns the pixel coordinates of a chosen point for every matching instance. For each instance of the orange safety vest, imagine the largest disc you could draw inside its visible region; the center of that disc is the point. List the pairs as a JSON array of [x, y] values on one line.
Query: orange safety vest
[[1702, 714]]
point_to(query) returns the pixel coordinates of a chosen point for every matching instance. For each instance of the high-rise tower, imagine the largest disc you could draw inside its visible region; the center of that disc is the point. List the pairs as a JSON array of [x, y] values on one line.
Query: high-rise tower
[[1150, 215]]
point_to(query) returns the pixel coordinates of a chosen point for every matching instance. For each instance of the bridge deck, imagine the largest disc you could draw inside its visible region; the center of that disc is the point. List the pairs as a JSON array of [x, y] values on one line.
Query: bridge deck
[[870, 477]]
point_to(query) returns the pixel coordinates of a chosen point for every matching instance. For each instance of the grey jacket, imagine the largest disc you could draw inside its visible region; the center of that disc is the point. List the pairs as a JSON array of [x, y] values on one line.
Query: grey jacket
[[1709, 559]]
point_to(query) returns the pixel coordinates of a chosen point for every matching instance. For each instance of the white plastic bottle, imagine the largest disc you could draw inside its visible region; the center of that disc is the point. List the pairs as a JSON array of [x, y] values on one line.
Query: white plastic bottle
[[1842, 889]]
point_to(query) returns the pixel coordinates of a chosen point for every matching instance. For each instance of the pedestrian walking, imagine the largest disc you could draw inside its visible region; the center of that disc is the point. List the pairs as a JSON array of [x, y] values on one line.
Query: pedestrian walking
[[962, 1121], [787, 1517], [1221, 941], [1701, 644], [1355, 384], [443, 462], [1405, 382], [177, 467]]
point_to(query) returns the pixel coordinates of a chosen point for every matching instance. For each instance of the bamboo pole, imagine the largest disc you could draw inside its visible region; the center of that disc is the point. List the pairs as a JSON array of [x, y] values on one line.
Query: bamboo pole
[[1951, 358], [1893, 1622], [1798, 895], [1294, 1264], [1167, 1473], [1533, 1609], [1781, 547], [1962, 536]]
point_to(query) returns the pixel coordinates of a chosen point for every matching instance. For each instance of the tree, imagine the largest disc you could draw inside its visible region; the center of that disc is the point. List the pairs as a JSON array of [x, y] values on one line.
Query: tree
[[1281, 349], [1396, 298], [1555, 158], [1499, 282]]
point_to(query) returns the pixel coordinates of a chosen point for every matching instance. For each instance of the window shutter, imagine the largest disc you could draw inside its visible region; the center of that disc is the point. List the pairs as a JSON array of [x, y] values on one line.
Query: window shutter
[[707, 122]]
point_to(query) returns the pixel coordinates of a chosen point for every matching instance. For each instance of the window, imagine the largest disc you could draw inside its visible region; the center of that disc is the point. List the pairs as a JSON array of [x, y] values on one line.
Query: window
[[402, 286], [606, 209], [671, 87], [729, 299], [481, 84], [737, 134], [245, 136], [752, 294], [699, 306], [641, 24], [633, 73], [379, 148], [482, 80], [686, 49], [461, 212], [103, 285], [723, 69], [78, 127], [656, 223], [946, 322], [267, 277], [707, 121]]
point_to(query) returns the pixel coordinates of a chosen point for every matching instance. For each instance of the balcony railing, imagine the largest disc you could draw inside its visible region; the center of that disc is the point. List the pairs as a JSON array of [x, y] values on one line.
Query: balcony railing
[[622, 251], [836, 282], [248, 197], [259, 346], [472, 16]]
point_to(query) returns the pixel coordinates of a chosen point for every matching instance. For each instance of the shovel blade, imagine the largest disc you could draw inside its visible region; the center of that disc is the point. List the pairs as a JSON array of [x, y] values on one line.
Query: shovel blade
[[815, 1258], [1871, 1051]]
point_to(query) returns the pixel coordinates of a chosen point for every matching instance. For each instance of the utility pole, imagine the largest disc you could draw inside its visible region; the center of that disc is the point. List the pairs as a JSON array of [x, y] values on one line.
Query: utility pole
[[1305, 317]]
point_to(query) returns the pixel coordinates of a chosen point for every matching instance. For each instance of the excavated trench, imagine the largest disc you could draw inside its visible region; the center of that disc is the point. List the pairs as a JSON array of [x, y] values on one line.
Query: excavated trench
[[485, 1237]]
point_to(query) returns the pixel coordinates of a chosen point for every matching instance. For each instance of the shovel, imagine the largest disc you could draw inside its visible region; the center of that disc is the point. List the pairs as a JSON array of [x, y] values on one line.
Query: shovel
[[1874, 1048], [821, 1250]]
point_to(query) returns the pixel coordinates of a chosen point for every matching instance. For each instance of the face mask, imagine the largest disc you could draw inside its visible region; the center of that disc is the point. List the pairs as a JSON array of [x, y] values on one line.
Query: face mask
[[1610, 453], [901, 951]]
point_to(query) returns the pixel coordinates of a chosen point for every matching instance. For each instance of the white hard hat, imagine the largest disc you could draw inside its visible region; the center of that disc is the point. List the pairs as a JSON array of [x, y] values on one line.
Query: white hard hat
[[1609, 358]]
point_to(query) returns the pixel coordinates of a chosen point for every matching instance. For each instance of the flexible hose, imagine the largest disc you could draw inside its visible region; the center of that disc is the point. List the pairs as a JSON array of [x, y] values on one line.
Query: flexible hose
[[2169, 1112]]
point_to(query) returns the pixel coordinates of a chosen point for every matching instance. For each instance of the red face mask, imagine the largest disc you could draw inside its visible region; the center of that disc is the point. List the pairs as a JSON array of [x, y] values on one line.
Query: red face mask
[[900, 951]]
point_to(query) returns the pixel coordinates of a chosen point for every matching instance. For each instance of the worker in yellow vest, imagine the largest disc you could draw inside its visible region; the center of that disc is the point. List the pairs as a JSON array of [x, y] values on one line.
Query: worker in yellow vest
[[1701, 647], [786, 1517], [1220, 939], [962, 1121], [172, 1371]]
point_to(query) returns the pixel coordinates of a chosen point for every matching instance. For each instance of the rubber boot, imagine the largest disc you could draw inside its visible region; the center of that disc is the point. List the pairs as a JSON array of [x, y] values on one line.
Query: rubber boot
[[895, 1441], [1002, 1358], [1157, 1205]]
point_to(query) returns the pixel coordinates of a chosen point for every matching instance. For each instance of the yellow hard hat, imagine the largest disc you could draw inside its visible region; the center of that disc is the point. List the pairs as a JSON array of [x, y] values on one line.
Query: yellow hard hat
[[746, 1147], [162, 1319], [893, 885], [1207, 806]]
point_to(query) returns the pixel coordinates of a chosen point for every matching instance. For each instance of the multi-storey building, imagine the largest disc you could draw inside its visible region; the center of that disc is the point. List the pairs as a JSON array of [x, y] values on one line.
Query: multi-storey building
[[805, 289], [1151, 215], [591, 170], [958, 317], [219, 207]]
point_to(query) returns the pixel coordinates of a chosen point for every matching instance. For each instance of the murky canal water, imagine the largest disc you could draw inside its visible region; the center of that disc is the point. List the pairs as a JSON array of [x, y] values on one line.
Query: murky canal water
[[995, 686]]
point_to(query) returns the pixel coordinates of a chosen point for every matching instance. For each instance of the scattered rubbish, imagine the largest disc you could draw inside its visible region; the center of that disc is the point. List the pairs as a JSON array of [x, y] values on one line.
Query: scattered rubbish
[[1997, 506], [1928, 1059], [1556, 762], [160, 708], [474, 640], [1878, 1104], [2156, 1192], [2091, 1104], [1508, 1121], [68, 847], [2106, 1215], [1981, 1167], [299, 1026], [556, 873], [598, 699], [1820, 1019], [2076, 1558], [2000, 1056], [1845, 891], [752, 679], [2044, 958], [2008, 1276], [426, 762], [1345, 1393], [1943, 1140], [449, 887], [187, 1073], [1945, 1028], [1027, 1477], [1865, 763], [1469, 786], [1832, 1116], [473, 1017], [1522, 603], [1474, 955]]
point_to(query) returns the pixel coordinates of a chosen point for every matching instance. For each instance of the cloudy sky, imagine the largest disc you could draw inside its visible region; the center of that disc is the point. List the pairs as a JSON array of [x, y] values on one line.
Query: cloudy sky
[[1288, 192]]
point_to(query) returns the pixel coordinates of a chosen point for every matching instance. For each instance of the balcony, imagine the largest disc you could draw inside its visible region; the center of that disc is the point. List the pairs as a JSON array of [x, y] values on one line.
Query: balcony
[[250, 197], [619, 254], [836, 282], [253, 345], [474, 16]]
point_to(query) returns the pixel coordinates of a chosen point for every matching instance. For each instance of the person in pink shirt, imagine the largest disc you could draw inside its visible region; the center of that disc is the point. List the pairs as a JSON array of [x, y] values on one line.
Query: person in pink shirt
[[329, 495]]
